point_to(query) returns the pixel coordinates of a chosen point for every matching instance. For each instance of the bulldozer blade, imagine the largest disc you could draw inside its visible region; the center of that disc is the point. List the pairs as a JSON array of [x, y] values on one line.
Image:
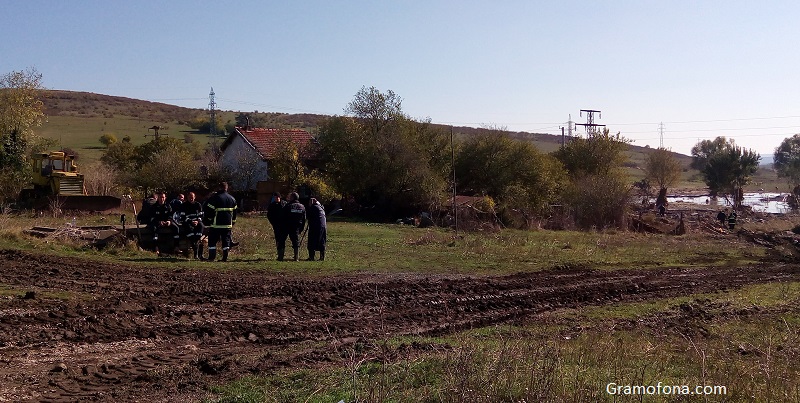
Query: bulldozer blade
[[89, 203]]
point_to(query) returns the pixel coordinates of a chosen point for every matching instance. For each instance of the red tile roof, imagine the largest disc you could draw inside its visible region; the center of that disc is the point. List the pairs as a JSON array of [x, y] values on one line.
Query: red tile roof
[[266, 141]]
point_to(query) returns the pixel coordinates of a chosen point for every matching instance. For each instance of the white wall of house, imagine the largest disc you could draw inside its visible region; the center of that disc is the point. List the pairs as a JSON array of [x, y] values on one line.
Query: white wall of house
[[244, 161]]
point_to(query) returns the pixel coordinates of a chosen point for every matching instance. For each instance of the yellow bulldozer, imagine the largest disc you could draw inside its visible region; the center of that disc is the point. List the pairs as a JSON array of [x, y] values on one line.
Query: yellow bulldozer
[[57, 183]]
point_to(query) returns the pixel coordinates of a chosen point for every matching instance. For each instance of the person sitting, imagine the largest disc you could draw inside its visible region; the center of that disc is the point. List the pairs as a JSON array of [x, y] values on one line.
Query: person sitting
[[163, 218]]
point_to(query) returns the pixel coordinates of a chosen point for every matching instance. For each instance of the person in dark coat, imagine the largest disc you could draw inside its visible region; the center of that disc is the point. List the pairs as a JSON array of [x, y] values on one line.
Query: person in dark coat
[[275, 217], [317, 229], [722, 217], [191, 219], [294, 220], [220, 214], [163, 219]]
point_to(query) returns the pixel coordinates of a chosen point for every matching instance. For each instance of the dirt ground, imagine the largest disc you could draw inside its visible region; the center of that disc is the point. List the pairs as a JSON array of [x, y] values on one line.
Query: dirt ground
[[90, 331]]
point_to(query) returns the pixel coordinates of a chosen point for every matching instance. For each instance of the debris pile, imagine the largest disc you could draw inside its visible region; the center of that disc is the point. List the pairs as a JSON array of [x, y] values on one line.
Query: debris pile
[[96, 236]]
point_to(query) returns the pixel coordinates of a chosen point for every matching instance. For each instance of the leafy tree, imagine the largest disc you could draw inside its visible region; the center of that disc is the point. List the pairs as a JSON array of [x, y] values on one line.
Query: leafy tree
[[662, 167], [291, 164], [108, 139], [511, 171], [383, 158], [787, 159], [725, 167], [598, 193], [171, 167], [203, 124], [163, 163], [599, 154], [244, 119], [120, 156], [20, 111]]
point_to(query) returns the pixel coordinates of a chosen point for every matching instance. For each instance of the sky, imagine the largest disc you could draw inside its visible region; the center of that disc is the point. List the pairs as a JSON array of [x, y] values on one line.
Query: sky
[[702, 68]]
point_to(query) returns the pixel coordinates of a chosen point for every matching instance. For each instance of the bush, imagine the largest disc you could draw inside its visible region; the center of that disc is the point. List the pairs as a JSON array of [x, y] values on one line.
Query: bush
[[599, 201]]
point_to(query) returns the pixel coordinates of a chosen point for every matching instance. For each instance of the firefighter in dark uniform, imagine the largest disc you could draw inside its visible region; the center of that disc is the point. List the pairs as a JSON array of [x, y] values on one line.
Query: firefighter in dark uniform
[[732, 220], [220, 215], [317, 231], [275, 217], [191, 218], [294, 219], [162, 217]]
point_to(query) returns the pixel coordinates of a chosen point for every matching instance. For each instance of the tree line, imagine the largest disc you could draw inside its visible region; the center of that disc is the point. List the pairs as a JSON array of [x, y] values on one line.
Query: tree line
[[382, 161]]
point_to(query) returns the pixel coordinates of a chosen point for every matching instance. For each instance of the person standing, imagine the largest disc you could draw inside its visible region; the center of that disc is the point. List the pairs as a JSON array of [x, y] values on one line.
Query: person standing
[[294, 219], [732, 220], [722, 217], [220, 214], [317, 229], [163, 218], [275, 217], [191, 218]]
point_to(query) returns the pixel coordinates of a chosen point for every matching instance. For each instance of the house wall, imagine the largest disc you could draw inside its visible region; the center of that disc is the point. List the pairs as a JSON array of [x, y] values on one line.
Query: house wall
[[237, 156]]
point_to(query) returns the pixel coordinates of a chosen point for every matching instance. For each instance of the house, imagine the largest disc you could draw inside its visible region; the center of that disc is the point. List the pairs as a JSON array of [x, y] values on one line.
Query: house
[[248, 152]]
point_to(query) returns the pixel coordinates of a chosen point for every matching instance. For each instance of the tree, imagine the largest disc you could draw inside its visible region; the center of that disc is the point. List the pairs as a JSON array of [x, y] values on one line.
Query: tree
[[725, 167], [599, 192], [162, 163], [108, 139], [663, 168], [20, 111], [383, 158], [787, 159], [511, 171], [290, 164], [599, 154]]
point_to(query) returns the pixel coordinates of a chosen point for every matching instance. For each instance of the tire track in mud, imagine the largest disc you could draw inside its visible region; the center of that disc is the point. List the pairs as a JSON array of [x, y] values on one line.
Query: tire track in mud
[[126, 330]]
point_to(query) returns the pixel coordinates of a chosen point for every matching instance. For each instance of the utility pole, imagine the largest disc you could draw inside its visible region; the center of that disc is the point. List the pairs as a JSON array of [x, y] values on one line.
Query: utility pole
[[453, 167], [212, 107], [562, 136], [155, 134], [590, 126], [661, 135]]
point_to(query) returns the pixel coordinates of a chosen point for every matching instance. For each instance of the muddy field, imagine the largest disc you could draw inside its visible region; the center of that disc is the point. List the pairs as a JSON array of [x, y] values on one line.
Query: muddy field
[[89, 331]]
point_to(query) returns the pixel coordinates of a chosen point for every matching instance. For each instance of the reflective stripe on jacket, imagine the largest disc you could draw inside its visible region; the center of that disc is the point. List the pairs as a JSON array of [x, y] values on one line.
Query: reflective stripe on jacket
[[221, 210]]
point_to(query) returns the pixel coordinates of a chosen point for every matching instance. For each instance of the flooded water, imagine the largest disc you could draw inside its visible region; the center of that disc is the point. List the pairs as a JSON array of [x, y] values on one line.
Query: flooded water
[[761, 202]]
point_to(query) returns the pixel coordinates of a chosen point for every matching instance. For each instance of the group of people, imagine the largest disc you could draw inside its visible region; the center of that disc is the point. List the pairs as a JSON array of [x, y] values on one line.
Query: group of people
[[185, 216], [725, 218], [188, 217], [290, 217]]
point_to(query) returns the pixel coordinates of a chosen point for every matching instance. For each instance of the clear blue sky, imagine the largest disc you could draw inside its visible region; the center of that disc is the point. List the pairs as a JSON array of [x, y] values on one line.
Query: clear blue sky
[[704, 68]]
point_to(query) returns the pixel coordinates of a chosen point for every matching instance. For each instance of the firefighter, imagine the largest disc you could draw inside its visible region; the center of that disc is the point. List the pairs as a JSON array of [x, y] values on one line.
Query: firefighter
[[191, 218], [220, 214], [732, 220], [162, 217], [176, 202], [294, 219], [317, 231], [275, 217]]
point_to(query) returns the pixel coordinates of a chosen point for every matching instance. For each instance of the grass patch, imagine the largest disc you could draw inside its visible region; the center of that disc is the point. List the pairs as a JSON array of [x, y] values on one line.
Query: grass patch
[[572, 355], [388, 248]]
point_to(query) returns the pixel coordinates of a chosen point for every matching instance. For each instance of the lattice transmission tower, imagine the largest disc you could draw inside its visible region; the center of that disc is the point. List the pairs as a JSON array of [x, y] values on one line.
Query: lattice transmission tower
[[212, 108], [590, 125]]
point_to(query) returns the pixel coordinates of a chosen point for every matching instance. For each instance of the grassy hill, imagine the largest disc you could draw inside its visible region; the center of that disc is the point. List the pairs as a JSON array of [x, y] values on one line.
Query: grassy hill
[[78, 119]]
